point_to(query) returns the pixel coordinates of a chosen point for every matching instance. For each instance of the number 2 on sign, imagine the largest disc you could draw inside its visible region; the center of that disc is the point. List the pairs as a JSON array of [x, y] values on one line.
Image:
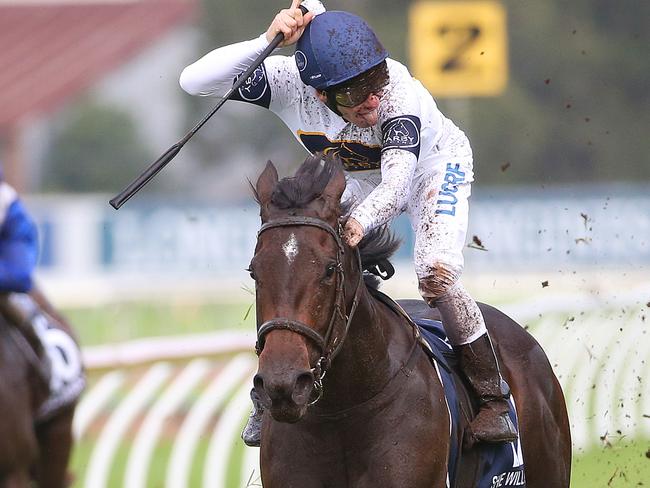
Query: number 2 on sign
[[466, 36]]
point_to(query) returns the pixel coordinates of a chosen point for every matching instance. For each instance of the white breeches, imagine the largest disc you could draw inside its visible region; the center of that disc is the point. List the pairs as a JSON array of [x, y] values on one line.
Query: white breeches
[[438, 210]]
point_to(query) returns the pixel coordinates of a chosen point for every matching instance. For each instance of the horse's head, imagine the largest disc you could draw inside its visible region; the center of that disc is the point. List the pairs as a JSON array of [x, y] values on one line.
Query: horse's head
[[301, 292]]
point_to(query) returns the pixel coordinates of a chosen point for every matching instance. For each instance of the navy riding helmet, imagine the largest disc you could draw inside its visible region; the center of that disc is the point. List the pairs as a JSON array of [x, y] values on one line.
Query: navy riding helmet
[[335, 47]]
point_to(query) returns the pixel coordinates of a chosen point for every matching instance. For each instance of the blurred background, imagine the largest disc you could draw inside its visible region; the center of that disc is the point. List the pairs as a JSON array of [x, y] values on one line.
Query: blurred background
[[553, 96]]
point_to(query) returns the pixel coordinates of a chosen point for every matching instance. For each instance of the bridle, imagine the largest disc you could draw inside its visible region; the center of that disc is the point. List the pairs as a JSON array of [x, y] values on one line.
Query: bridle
[[329, 344]]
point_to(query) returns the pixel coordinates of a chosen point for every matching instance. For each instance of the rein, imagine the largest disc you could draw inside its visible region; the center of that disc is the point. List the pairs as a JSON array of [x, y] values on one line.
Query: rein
[[328, 344]]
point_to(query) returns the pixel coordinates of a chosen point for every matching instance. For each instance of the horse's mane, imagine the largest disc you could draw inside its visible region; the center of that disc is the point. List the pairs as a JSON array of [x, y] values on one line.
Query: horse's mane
[[377, 246], [307, 184]]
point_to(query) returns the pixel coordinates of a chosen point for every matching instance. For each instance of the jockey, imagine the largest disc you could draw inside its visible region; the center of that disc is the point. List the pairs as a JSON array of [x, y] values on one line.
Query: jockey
[[25, 307], [18, 243], [341, 92], [18, 258]]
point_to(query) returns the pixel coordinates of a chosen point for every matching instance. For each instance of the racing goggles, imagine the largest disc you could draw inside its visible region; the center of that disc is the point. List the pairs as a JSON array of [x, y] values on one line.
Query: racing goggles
[[358, 89]]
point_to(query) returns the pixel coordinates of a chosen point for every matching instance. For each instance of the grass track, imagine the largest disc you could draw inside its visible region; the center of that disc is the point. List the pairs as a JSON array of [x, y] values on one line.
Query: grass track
[[623, 464]]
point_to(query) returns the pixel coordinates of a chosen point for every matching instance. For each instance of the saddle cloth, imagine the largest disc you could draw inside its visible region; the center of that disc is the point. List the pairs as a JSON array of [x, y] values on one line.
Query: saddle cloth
[[67, 378], [495, 465]]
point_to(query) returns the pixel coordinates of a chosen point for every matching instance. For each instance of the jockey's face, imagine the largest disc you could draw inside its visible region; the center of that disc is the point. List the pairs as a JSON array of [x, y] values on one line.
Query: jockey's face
[[357, 99], [362, 115], [365, 114]]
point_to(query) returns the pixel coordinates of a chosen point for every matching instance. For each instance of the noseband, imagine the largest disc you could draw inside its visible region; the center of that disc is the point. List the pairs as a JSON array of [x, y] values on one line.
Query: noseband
[[329, 345]]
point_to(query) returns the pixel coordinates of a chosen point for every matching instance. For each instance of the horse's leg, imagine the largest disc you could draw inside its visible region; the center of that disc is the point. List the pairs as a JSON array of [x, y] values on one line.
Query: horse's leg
[[17, 450], [405, 444], [18, 445], [55, 443], [301, 455]]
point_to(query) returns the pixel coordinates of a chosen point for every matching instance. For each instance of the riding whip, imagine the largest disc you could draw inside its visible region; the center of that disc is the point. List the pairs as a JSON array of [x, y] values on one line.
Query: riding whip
[[147, 175]]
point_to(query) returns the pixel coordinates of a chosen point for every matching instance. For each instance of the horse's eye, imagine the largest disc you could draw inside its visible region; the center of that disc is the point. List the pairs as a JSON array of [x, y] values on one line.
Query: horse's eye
[[329, 271], [251, 272]]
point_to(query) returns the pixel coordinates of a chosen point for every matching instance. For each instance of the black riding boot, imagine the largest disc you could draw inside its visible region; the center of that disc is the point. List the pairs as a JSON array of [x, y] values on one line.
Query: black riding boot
[[479, 364], [252, 433]]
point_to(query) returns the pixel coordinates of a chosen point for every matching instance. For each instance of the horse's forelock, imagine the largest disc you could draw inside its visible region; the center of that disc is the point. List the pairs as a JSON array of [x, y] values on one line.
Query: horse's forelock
[[306, 185]]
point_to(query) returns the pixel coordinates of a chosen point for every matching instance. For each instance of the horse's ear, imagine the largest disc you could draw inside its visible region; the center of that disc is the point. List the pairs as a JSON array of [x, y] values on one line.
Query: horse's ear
[[266, 183]]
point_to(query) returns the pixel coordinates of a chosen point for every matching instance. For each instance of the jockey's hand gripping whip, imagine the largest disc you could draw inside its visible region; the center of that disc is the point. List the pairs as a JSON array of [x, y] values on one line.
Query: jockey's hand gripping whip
[[147, 175]]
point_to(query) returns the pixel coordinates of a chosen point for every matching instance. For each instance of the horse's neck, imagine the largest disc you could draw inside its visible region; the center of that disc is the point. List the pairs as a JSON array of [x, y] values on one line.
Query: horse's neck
[[370, 357]]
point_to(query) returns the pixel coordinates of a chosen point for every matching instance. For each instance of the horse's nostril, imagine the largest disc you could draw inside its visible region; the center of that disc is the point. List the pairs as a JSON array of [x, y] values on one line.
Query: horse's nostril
[[260, 391], [303, 388], [258, 383], [304, 380]]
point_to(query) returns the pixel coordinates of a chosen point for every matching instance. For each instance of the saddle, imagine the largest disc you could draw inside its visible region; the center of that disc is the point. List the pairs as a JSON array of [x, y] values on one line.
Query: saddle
[[477, 465]]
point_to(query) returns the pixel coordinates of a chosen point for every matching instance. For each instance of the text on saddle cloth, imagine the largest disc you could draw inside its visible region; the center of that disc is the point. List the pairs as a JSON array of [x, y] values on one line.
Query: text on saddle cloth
[[67, 377], [501, 465]]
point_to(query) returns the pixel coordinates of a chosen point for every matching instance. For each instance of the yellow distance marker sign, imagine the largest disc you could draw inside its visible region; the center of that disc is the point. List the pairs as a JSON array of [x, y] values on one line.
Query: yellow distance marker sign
[[459, 49]]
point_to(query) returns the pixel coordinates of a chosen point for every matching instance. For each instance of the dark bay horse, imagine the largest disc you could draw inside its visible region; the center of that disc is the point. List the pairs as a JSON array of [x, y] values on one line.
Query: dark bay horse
[[351, 399], [33, 452]]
